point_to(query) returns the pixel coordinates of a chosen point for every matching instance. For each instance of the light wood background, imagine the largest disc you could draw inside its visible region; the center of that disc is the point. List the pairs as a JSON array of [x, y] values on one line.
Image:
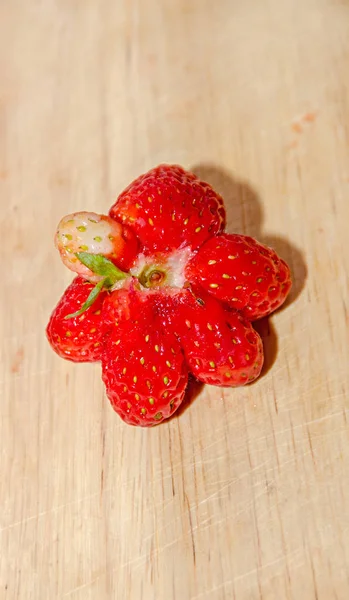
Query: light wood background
[[244, 496]]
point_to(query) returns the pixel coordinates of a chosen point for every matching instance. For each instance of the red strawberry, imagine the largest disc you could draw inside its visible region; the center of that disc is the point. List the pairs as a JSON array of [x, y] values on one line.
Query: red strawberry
[[79, 338], [143, 365], [95, 234], [238, 270], [220, 346], [180, 297], [168, 208]]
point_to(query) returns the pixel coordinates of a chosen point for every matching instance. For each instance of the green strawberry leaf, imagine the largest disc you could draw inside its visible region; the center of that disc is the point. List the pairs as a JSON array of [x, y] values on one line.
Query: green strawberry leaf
[[90, 300], [100, 265]]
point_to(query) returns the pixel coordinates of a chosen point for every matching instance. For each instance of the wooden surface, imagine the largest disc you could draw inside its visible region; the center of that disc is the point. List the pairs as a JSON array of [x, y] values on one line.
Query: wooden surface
[[245, 495]]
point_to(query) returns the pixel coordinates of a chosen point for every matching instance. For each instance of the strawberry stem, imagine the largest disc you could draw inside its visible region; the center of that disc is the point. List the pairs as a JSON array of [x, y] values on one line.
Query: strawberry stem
[[90, 300], [98, 264], [152, 276]]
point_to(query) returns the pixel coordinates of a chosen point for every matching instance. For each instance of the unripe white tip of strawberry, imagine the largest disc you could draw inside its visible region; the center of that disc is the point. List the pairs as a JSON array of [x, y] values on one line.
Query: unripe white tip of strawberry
[[87, 232]]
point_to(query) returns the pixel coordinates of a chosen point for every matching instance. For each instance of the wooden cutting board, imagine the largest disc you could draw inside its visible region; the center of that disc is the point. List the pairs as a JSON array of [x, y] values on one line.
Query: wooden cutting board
[[244, 495]]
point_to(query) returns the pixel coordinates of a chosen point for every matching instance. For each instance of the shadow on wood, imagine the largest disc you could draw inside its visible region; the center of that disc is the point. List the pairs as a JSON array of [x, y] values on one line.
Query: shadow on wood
[[193, 390]]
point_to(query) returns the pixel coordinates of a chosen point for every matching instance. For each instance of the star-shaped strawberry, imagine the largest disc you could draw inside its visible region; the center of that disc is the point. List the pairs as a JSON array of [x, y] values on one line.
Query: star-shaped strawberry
[[161, 292]]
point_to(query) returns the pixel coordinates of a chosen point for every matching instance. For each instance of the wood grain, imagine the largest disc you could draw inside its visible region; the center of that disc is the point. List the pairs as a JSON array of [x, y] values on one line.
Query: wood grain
[[244, 495]]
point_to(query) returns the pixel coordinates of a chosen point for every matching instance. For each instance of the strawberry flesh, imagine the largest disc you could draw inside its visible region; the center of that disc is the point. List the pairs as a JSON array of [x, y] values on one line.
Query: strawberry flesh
[[168, 208], [78, 339], [220, 346], [143, 365], [239, 271], [95, 234]]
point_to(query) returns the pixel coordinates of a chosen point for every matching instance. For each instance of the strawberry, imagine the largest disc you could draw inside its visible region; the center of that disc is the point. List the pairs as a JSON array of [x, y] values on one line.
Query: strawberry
[[95, 234], [143, 365], [239, 271], [174, 295], [220, 346], [168, 208], [79, 338]]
